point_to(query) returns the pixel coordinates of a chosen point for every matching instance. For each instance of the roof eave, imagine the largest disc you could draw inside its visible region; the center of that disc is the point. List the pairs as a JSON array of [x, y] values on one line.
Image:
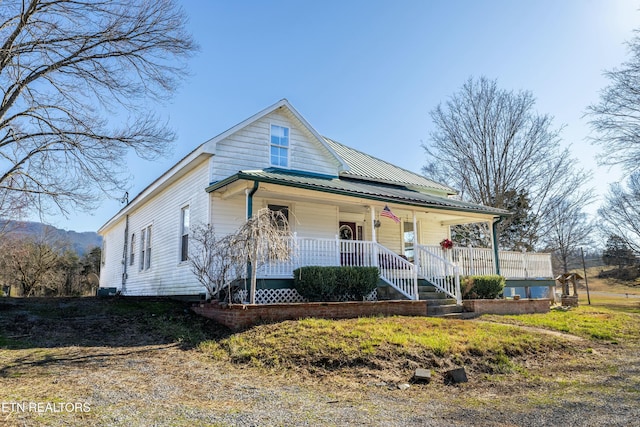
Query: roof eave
[[268, 180]]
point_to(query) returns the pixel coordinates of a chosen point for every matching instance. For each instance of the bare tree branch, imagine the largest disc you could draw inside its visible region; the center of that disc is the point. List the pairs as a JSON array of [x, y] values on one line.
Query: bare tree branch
[[616, 118], [76, 78], [490, 144]]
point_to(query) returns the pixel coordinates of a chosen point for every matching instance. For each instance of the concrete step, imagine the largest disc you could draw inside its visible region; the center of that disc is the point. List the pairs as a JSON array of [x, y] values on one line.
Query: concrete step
[[426, 288], [432, 295], [438, 310], [463, 316]]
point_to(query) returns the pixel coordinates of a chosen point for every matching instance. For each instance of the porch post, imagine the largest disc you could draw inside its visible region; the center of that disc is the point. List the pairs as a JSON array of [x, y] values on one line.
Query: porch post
[[416, 258], [373, 223], [494, 238]]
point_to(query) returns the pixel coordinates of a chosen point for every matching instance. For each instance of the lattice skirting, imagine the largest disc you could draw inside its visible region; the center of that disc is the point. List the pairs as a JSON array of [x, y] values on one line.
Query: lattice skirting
[[287, 295]]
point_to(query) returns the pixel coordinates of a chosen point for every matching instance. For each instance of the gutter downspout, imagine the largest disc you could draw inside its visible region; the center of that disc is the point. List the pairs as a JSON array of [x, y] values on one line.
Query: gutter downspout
[[252, 291], [494, 236], [124, 255], [249, 195]]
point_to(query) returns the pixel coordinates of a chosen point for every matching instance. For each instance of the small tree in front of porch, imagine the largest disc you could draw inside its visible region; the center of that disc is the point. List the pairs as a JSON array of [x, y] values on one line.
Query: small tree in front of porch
[[214, 261], [265, 237]]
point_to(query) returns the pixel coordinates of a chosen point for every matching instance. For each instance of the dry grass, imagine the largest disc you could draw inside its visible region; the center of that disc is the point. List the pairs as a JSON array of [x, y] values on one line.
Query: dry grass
[[148, 362]]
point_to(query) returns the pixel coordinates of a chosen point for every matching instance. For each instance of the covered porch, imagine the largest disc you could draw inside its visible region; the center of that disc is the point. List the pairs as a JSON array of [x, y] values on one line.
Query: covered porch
[[341, 222]]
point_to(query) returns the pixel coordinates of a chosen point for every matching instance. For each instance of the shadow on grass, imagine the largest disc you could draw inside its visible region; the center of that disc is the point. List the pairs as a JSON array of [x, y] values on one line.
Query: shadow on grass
[[102, 322], [79, 358]]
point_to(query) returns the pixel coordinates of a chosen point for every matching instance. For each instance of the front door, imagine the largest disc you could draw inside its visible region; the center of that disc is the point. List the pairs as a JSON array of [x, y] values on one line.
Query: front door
[[348, 249], [347, 231]]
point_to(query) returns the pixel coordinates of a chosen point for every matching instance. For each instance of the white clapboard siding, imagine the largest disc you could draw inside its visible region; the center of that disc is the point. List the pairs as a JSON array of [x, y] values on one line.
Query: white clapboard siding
[[314, 220], [248, 149], [389, 235], [227, 215], [167, 275], [112, 246], [432, 232]]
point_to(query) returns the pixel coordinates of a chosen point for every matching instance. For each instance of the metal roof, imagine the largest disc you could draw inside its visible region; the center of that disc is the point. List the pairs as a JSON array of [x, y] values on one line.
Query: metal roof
[[364, 166], [357, 188]]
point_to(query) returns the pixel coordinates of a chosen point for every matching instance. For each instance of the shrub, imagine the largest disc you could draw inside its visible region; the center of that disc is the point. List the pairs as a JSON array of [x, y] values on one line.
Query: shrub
[[315, 283], [357, 282], [482, 287], [333, 283]]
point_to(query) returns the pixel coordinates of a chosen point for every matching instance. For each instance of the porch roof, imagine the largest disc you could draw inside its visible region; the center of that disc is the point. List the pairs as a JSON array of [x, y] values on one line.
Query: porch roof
[[356, 188]]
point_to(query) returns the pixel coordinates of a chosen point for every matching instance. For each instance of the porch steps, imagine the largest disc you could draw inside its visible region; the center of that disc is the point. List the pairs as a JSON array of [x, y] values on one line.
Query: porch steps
[[429, 292], [441, 305]]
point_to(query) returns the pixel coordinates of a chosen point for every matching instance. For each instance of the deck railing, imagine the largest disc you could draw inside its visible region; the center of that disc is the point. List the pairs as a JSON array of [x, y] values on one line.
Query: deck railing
[[395, 270], [442, 268], [480, 261]]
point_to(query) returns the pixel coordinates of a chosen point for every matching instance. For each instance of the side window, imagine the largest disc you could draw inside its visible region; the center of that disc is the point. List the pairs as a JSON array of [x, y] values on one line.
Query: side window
[[132, 250], [103, 253], [279, 146], [284, 210], [184, 234], [145, 248]]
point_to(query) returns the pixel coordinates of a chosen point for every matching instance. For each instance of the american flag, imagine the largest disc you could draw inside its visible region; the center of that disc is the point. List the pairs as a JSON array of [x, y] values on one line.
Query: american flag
[[387, 213]]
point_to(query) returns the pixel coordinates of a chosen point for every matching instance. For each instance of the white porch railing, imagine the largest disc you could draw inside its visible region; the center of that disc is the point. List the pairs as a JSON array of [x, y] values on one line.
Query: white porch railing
[[442, 268], [439, 271], [513, 265], [395, 270]]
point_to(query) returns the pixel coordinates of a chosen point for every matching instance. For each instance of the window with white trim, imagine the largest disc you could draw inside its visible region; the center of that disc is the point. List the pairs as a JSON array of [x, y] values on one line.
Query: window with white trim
[[132, 250], [281, 222], [184, 234], [145, 248], [279, 153]]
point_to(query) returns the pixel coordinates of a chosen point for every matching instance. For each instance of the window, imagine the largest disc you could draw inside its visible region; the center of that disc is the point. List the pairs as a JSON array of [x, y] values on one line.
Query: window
[[279, 146], [409, 240], [145, 248], [280, 222], [132, 250], [184, 234]]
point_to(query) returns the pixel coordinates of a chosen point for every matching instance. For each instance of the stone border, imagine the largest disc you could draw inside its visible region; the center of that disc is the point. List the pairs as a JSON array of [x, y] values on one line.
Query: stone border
[[506, 306]]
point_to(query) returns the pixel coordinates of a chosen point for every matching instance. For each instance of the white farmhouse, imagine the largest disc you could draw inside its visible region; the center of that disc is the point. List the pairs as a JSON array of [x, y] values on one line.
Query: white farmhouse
[[345, 207]]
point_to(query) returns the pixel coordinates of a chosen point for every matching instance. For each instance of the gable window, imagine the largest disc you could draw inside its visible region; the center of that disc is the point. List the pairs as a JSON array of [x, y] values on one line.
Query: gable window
[[145, 248], [184, 234], [279, 146], [284, 210], [132, 250]]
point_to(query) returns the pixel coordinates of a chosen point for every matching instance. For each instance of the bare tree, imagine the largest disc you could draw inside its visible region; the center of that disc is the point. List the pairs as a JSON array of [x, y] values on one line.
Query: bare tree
[[32, 263], [616, 118], [491, 145], [265, 237], [75, 79], [215, 261], [620, 213], [568, 228]]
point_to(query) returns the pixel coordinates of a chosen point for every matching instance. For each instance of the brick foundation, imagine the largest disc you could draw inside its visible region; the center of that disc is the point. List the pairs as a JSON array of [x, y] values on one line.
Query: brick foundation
[[503, 306], [237, 316]]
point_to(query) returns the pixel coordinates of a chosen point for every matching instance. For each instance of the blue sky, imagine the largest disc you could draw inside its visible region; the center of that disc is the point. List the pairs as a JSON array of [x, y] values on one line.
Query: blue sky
[[367, 73]]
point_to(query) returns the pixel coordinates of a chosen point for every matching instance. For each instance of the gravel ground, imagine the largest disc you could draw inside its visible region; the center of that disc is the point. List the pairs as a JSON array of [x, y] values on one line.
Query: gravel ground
[[151, 381]]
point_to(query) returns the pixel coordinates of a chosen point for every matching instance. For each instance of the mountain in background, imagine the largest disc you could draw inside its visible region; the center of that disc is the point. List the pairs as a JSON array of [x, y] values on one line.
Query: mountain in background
[[80, 242]]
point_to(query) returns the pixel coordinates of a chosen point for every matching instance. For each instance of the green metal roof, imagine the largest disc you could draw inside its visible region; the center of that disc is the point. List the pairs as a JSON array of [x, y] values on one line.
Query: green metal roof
[[357, 188], [364, 166]]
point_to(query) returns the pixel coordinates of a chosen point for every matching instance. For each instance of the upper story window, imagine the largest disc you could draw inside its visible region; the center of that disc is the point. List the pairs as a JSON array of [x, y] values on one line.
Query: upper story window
[[184, 234], [279, 146]]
